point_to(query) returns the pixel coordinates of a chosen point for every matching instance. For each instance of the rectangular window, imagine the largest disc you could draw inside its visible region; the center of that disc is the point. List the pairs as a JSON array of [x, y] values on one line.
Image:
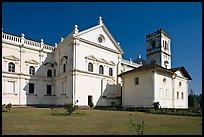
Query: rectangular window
[[136, 81], [153, 44], [49, 89], [31, 88], [181, 95], [177, 95]]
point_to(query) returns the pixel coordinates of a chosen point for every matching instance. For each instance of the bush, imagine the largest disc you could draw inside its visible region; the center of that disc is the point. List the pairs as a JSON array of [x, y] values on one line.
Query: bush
[[6, 107], [181, 112], [138, 127], [69, 108], [91, 104], [156, 105]]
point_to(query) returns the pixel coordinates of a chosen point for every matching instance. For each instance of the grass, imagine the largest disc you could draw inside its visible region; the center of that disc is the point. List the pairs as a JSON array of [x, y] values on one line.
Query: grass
[[40, 121]]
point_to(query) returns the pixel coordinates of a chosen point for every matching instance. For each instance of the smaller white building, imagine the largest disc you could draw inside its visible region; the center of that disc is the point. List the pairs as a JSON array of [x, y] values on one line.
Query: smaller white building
[[152, 83]]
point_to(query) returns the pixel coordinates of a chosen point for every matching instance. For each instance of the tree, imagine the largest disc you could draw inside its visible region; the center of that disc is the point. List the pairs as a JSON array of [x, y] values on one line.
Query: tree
[[191, 99], [200, 100]]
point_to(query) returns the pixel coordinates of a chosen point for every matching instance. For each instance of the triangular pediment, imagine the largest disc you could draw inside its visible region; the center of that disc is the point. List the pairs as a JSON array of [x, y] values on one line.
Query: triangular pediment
[[91, 57], [111, 63], [32, 62], [11, 58], [179, 73], [107, 41], [103, 61]]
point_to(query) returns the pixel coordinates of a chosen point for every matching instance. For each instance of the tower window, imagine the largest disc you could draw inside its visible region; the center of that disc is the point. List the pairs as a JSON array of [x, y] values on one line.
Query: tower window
[[165, 45], [153, 44]]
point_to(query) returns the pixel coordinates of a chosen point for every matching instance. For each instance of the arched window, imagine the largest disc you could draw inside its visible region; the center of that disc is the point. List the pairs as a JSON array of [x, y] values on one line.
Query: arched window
[[100, 69], [49, 73], [164, 81], [180, 84], [11, 67], [90, 67], [110, 72], [31, 70], [64, 68]]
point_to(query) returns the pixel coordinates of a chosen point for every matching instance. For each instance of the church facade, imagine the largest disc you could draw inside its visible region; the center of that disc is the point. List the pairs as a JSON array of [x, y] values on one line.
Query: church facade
[[84, 67]]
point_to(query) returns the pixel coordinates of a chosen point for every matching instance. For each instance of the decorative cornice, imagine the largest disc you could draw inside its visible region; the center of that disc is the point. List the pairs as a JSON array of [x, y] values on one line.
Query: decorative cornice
[[32, 62], [91, 57], [11, 58]]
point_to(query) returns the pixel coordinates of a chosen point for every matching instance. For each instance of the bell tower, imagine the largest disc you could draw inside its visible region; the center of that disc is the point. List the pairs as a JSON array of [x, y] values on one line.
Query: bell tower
[[158, 48]]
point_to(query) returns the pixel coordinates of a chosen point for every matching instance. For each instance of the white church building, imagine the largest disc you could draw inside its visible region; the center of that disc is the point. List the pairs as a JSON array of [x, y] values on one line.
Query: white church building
[[87, 66]]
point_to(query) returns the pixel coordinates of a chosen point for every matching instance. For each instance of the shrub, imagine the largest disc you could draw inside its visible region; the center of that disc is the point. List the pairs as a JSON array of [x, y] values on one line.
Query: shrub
[[91, 104], [138, 127], [69, 108], [6, 107], [156, 105]]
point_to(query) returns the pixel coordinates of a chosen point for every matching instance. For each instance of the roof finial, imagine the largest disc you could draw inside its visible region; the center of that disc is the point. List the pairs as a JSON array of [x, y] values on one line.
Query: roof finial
[[62, 39], [76, 29], [139, 56], [22, 35], [100, 20], [41, 40], [2, 30], [55, 44], [118, 43]]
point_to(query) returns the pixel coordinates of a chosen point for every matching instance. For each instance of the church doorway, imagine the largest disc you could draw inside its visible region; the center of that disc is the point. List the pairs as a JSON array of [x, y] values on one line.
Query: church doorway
[[90, 100]]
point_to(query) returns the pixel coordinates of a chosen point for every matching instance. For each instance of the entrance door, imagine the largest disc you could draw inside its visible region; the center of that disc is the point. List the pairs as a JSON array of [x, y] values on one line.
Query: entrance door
[[90, 100]]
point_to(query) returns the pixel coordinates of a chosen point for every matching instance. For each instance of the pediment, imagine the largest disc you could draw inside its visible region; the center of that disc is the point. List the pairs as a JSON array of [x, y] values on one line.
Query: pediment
[[32, 62], [11, 58], [111, 63], [100, 36], [91, 57], [102, 61], [179, 73]]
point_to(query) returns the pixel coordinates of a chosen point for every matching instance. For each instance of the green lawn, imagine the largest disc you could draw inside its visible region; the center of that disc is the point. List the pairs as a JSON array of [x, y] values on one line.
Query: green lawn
[[32, 121]]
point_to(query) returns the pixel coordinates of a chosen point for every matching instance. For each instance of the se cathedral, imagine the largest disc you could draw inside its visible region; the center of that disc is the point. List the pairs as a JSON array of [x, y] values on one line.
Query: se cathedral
[[87, 66]]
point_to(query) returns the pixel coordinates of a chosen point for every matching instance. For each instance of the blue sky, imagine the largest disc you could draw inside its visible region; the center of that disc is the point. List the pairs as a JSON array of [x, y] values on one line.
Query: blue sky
[[129, 22]]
